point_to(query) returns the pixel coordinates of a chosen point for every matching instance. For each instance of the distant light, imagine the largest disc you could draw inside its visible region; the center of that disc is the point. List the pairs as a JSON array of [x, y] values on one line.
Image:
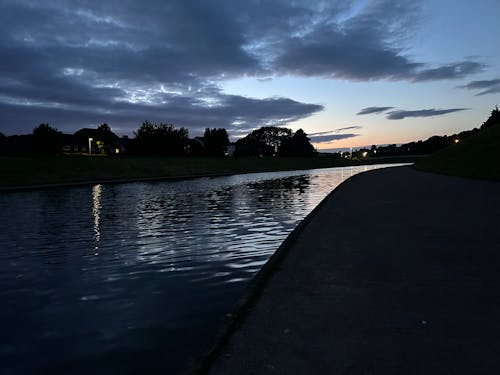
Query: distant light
[[117, 150], [457, 140], [364, 154]]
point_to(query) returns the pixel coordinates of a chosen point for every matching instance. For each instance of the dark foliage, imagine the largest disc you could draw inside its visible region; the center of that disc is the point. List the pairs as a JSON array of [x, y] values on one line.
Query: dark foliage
[[215, 142], [265, 141], [16, 144], [161, 139], [430, 145], [297, 145], [493, 119], [275, 141], [47, 140]]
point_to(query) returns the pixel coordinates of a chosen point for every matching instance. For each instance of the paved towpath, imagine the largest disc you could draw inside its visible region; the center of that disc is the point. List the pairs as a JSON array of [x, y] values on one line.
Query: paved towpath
[[398, 272]]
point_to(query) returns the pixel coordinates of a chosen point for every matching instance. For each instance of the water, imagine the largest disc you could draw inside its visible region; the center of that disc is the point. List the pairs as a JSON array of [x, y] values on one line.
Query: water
[[137, 277]]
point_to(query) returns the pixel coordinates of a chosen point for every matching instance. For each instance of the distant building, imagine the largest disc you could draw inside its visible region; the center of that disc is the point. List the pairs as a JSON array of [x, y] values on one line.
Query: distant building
[[100, 142]]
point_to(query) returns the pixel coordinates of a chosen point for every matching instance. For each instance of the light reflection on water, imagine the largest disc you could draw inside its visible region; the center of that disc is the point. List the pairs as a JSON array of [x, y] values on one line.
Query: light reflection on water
[[135, 277], [96, 207]]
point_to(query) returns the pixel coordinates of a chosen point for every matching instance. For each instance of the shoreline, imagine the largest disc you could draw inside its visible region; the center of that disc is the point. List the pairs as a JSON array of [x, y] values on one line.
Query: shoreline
[[20, 188], [202, 363], [114, 181]]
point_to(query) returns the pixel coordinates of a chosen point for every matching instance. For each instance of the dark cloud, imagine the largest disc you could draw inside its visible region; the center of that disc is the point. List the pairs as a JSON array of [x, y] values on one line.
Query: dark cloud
[[235, 113], [400, 114], [363, 47], [122, 61], [491, 86], [331, 137], [348, 128], [452, 71], [369, 110], [491, 90], [335, 131]]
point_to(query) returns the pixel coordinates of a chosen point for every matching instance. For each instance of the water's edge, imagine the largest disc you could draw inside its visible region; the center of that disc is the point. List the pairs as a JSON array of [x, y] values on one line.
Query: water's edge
[[201, 364], [153, 179]]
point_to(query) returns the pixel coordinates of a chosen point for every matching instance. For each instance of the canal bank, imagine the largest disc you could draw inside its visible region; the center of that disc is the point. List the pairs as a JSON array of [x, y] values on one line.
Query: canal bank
[[398, 271]]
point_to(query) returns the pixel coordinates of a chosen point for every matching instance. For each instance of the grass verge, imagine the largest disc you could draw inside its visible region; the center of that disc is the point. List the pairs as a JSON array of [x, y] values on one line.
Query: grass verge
[[35, 170], [477, 157]]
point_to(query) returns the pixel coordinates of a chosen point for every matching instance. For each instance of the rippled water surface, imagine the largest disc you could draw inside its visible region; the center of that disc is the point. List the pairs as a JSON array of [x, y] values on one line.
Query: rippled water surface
[[136, 278]]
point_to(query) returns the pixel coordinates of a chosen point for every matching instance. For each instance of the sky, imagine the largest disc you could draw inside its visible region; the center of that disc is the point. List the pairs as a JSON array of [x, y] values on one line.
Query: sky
[[349, 73]]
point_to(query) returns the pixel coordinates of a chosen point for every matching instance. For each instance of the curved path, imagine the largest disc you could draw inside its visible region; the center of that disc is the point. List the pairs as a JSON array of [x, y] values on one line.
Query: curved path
[[398, 272]]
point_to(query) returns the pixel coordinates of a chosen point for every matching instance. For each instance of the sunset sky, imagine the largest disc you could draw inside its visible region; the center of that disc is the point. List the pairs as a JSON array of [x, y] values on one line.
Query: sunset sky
[[350, 73]]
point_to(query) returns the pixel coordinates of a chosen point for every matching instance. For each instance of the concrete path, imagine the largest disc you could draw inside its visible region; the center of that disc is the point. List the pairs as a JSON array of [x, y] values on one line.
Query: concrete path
[[397, 273]]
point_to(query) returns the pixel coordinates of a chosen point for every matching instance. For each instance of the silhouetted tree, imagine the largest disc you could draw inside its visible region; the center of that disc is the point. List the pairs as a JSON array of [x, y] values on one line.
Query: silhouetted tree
[[297, 145], [265, 141], [216, 141], [493, 119], [46, 139], [161, 139], [3, 143]]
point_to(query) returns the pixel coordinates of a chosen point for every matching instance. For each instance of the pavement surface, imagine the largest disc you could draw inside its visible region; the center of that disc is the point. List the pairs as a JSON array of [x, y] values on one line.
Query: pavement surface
[[398, 272]]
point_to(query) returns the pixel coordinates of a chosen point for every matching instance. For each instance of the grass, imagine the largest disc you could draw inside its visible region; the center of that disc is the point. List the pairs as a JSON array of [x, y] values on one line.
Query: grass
[[477, 157], [32, 170]]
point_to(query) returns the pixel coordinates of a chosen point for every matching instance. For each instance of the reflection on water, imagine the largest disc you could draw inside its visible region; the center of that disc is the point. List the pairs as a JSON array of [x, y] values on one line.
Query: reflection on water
[[96, 207], [134, 278]]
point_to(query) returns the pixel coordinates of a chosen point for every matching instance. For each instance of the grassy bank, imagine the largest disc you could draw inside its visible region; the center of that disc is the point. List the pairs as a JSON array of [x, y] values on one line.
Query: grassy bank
[[44, 170], [477, 157]]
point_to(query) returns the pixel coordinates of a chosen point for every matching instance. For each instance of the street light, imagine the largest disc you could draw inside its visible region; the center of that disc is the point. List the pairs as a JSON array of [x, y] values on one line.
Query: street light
[[90, 146]]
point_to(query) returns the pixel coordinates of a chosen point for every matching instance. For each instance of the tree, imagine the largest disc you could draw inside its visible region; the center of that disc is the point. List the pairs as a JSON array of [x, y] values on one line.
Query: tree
[[46, 139], [493, 119], [265, 141], [216, 141], [297, 145], [161, 138]]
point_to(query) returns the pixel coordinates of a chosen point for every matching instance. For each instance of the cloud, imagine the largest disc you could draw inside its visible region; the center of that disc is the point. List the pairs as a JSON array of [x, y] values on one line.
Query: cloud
[[348, 128], [451, 71], [81, 63], [235, 113], [491, 86], [491, 90], [369, 110], [401, 114], [333, 135], [336, 131], [363, 47]]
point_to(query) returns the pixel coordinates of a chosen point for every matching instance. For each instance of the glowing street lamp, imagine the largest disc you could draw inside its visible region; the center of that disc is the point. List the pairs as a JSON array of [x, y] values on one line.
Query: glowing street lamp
[[90, 146]]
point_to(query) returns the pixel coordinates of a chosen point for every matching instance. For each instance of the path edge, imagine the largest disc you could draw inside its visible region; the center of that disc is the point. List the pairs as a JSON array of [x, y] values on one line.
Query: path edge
[[202, 364]]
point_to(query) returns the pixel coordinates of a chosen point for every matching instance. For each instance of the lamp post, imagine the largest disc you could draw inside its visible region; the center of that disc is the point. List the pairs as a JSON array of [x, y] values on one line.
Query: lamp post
[[90, 146]]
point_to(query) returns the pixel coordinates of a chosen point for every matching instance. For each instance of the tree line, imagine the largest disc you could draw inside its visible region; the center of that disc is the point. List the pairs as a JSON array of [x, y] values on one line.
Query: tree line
[[153, 138], [165, 139], [428, 146]]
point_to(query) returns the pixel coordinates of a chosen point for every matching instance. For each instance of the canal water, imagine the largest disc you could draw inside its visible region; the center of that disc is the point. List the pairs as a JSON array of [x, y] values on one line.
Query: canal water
[[137, 277]]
